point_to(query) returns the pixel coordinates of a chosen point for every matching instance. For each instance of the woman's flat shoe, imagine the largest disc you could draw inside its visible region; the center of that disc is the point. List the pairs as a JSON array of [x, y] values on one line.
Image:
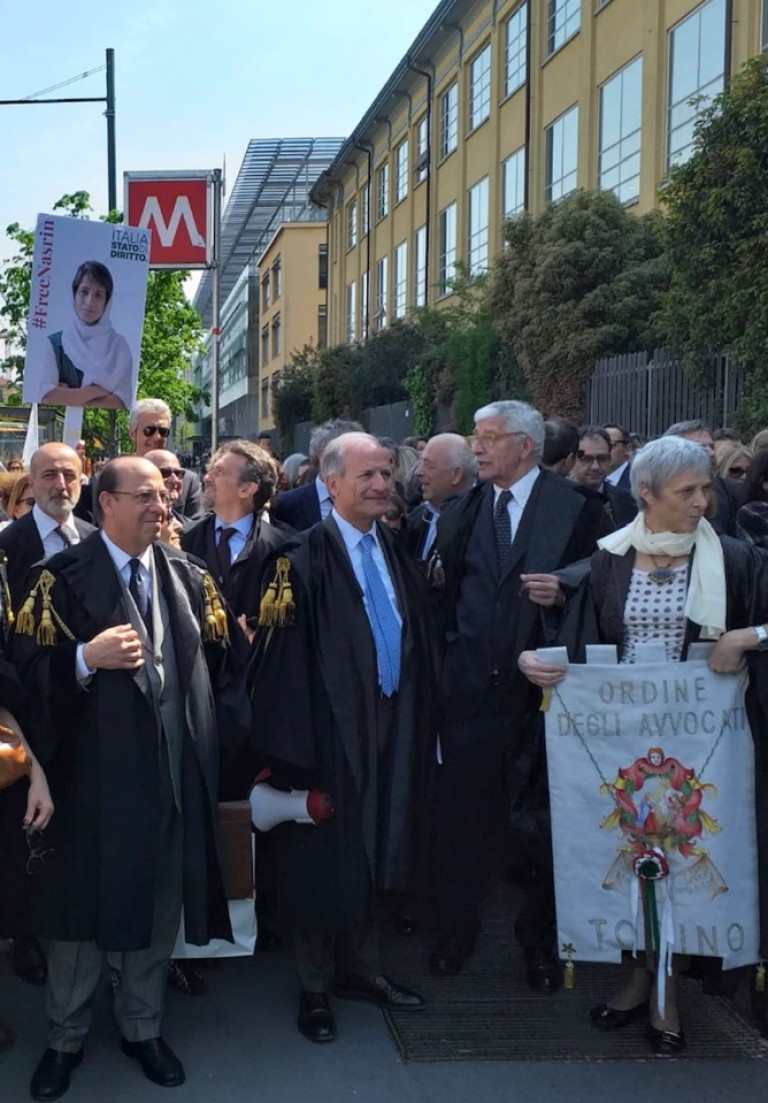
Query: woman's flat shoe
[[610, 1018], [667, 1043]]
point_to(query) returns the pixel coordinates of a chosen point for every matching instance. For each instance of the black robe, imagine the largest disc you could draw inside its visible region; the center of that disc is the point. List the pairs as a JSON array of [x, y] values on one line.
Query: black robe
[[595, 614], [100, 750], [314, 690]]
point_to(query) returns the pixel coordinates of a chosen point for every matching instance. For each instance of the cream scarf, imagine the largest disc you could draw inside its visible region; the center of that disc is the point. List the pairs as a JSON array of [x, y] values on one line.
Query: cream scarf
[[705, 603]]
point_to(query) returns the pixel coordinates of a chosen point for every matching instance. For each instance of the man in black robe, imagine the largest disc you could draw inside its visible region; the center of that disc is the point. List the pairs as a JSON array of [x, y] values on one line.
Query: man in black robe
[[124, 642], [343, 679]]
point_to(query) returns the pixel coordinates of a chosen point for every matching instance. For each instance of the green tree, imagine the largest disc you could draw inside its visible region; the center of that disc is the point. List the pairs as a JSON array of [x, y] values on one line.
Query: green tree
[[172, 328], [716, 234], [581, 280], [292, 396]]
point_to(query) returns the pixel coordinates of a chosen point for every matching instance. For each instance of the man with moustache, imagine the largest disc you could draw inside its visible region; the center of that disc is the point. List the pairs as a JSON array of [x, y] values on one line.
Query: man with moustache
[[124, 643], [343, 676]]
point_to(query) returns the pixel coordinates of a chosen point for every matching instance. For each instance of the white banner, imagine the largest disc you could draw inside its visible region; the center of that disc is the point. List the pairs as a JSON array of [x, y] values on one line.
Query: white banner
[[653, 760]]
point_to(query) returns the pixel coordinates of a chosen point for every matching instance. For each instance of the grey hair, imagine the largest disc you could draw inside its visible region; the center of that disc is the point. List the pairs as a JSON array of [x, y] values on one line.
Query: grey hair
[[519, 418], [459, 454], [663, 459], [680, 428], [332, 461], [149, 406], [291, 465], [322, 435]]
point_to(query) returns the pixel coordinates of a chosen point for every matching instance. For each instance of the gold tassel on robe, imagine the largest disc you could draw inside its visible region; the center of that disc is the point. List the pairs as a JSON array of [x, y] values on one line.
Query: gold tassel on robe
[[214, 626], [46, 628], [277, 609]]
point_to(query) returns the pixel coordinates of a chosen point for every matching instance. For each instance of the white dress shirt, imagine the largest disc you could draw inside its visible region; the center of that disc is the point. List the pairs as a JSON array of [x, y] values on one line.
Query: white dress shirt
[[46, 524], [323, 497], [521, 492], [429, 539]]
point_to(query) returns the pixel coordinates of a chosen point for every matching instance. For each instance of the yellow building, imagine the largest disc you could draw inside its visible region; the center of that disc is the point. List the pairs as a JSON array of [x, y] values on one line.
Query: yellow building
[[500, 107], [293, 275]]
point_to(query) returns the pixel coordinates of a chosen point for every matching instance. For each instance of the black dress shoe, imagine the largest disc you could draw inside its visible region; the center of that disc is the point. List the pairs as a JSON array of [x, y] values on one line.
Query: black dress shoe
[[379, 990], [158, 1061], [51, 1077], [542, 970], [667, 1043], [447, 958], [611, 1018], [28, 961], [315, 1017]]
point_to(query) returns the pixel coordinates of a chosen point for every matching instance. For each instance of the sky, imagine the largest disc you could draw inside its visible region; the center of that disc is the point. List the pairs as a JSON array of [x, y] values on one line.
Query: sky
[[194, 82]]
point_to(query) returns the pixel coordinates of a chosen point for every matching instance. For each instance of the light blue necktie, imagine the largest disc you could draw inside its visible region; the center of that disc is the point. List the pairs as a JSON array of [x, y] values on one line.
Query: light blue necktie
[[386, 630]]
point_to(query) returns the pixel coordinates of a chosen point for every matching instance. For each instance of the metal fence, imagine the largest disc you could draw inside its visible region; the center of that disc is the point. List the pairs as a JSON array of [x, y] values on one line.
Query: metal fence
[[395, 420], [648, 392]]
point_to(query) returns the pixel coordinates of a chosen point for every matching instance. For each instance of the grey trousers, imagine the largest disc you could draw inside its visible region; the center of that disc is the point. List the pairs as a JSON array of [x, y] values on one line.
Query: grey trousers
[[76, 968], [317, 954]]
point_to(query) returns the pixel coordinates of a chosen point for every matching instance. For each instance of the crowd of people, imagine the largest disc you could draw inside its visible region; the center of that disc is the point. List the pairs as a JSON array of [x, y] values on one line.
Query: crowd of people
[[359, 626]]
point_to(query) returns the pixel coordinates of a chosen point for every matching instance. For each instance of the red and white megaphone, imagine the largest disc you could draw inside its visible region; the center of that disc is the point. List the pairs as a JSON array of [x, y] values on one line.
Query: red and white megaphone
[[270, 807]]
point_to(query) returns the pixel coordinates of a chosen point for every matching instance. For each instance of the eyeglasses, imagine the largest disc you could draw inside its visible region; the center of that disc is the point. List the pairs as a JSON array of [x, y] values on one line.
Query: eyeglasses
[[37, 851], [145, 497], [601, 458], [488, 439], [156, 430], [171, 472], [737, 472]]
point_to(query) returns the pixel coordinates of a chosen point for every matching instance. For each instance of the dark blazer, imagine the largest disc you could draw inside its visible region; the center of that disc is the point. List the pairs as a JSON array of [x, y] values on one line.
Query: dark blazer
[[417, 524], [23, 548], [489, 619], [190, 502], [242, 587], [299, 508]]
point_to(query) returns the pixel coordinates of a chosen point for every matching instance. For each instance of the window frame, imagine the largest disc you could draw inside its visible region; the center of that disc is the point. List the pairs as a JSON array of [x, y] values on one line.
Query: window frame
[[447, 256], [382, 293], [559, 33], [479, 236], [549, 179], [449, 121], [382, 191], [516, 155], [351, 224], [479, 101], [603, 150], [420, 266], [401, 171], [671, 158], [520, 70], [400, 280]]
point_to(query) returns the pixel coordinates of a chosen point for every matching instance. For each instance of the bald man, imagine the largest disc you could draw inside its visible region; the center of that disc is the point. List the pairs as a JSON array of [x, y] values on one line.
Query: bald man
[[447, 468]]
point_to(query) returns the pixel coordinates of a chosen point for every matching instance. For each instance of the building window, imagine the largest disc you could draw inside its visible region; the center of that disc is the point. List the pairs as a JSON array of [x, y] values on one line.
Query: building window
[[477, 227], [447, 264], [513, 182], [515, 50], [618, 161], [696, 69], [401, 171], [401, 279], [382, 289], [277, 345], [351, 224], [764, 27], [480, 88], [564, 21], [365, 223], [322, 327], [322, 267], [382, 191], [265, 398], [265, 344], [277, 277], [265, 292], [420, 267], [364, 305], [562, 156], [421, 168], [351, 313], [449, 120]]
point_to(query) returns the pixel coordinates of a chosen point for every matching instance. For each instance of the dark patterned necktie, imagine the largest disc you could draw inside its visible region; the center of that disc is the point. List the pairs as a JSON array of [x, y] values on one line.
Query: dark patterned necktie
[[139, 594], [65, 538], [502, 527], [223, 551]]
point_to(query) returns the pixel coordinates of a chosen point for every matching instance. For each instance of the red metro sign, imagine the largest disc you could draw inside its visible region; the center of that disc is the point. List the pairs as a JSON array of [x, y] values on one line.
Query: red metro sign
[[176, 207]]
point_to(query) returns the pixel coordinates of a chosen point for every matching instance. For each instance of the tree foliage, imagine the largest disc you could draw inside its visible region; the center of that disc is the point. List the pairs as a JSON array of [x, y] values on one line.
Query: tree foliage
[[716, 235], [172, 328], [581, 280]]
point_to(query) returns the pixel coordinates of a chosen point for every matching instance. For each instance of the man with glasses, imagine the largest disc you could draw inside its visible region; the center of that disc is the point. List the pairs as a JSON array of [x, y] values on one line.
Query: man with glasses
[[590, 471], [123, 644], [499, 545], [621, 456], [150, 428]]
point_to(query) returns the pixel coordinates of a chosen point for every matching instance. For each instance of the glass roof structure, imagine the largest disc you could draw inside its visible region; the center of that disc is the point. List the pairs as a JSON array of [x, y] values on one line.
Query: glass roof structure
[[272, 186]]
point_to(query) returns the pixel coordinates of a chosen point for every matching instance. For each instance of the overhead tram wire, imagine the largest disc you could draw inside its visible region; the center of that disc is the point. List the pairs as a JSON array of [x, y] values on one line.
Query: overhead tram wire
[[64, 83]]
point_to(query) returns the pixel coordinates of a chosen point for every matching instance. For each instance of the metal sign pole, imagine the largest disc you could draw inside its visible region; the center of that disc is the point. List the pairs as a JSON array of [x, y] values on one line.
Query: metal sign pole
[[215, 310]]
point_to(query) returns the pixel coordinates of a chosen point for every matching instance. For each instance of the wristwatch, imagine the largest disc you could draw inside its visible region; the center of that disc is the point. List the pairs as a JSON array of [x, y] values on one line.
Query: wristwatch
[[762, 638]]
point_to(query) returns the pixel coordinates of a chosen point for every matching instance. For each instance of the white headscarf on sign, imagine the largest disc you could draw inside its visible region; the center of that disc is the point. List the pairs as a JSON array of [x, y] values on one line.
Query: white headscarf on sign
[[100, 353]]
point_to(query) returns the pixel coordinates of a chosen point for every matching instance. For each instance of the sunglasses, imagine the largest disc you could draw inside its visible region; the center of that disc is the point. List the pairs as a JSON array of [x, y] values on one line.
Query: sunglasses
[[171, 472], [737, 472], [156, 430]]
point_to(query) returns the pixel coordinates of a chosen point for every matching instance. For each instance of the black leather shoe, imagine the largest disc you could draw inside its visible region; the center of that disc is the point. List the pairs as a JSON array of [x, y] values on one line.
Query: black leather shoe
[[447, 958], [28, 961], [51, 1077], [315, 1017], [379, 990], [667, 1043], [611, 1018], [158, 1061], [542, 970]]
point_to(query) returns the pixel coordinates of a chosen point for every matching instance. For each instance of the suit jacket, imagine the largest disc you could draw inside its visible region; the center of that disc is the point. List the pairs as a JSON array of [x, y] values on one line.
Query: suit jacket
[[417, 524], [489, 620], [242, 586], [190, 502], [299, 508], [23, 548]]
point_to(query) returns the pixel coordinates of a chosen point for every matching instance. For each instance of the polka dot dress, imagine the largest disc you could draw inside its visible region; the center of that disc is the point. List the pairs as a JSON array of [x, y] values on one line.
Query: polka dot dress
[[654, 612]]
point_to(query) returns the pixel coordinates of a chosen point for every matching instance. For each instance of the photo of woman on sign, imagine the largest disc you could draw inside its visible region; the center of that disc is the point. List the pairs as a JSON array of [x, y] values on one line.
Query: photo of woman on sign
[[88, 363]]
